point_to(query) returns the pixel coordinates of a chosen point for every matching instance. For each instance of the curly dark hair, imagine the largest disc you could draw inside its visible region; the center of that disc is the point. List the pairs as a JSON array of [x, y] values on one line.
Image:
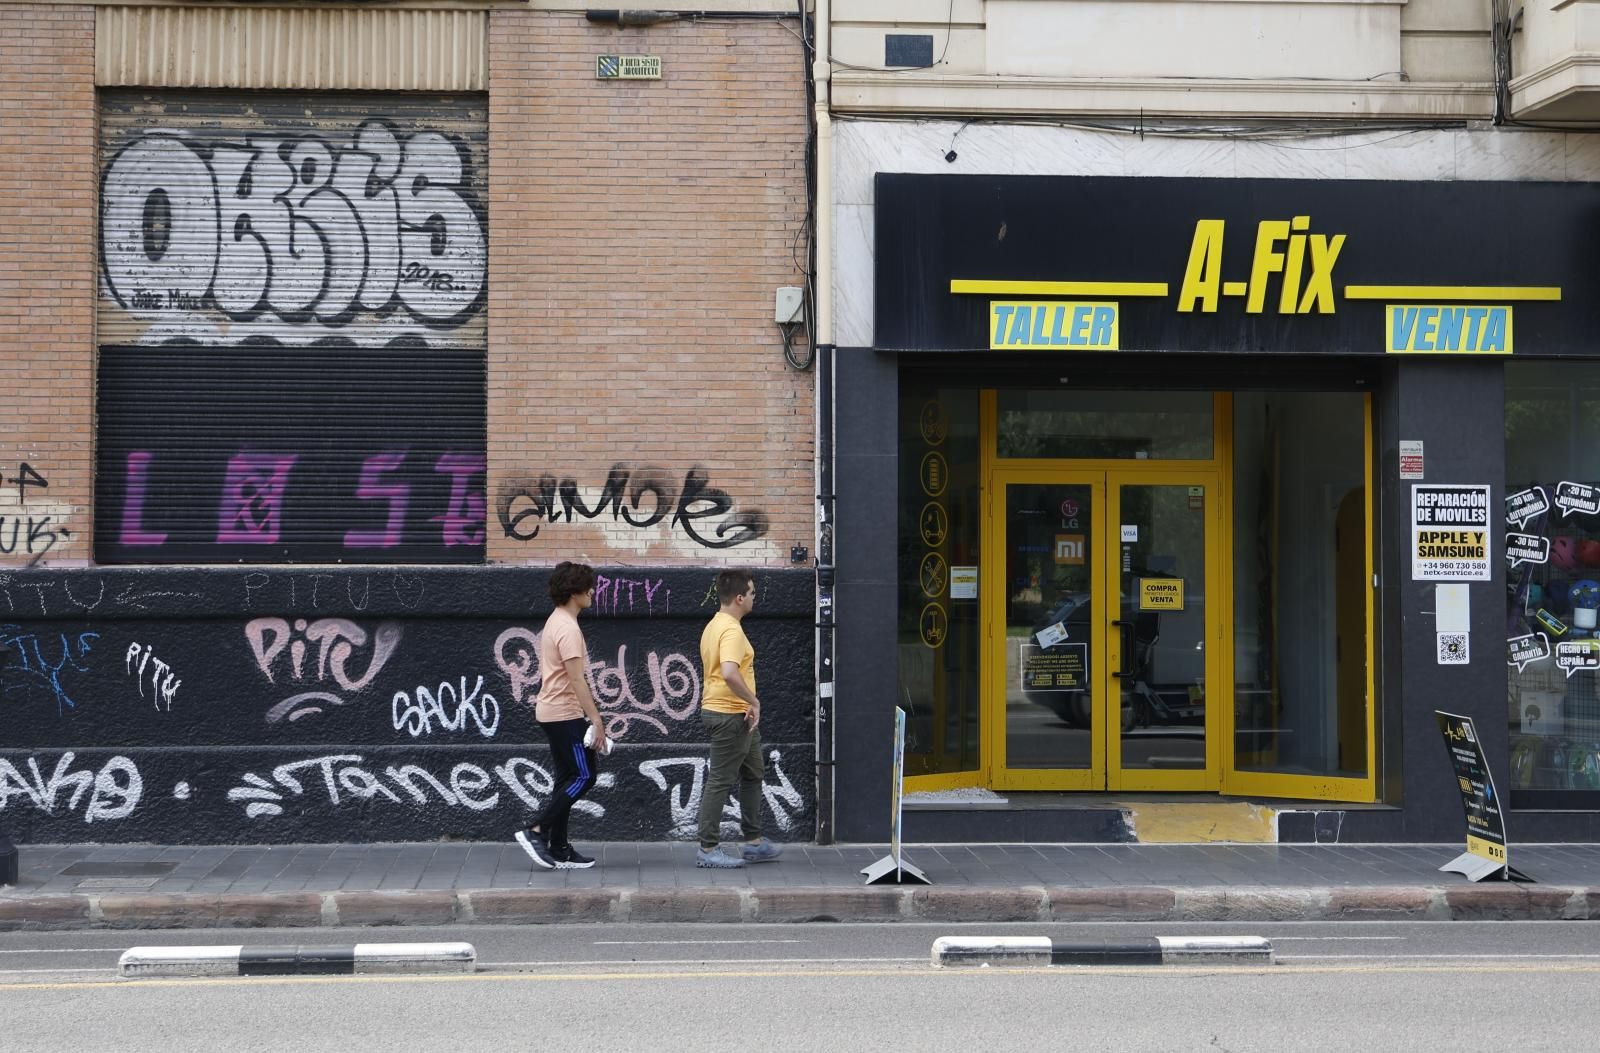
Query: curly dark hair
[[568, 580]]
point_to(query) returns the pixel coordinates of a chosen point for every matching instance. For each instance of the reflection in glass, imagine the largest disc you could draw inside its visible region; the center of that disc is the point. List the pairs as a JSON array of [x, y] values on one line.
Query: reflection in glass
[[1162, 619], [1049, 620], [1132, 425], [1552, 436], [938, 535], [1299, 594]]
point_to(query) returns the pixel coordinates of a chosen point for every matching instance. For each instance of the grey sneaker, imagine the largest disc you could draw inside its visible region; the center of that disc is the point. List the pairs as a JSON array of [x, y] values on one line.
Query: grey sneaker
[[537, 850], [763, 851], [716, 859]]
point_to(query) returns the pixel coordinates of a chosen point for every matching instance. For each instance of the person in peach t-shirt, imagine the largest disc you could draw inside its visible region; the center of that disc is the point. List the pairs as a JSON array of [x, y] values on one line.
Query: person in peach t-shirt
[[565, 711]]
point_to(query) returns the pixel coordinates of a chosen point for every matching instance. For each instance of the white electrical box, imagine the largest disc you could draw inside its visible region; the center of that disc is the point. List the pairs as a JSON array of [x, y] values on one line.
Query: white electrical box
[[791, 306]]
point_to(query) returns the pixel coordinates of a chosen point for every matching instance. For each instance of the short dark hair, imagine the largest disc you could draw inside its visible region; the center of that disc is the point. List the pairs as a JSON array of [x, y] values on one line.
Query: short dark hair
[[568, 580], [731, 584]]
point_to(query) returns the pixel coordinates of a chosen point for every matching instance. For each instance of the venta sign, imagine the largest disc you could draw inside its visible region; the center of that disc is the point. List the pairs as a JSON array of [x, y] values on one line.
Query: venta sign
[[1039, 263]]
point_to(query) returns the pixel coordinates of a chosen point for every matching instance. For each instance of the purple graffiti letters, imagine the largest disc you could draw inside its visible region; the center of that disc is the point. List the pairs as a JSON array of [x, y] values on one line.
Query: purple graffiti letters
[[640, 498], [465, 516], [372, 488], [133, 531], [609, 594], [336, 640], [255, 487], [252, 498]]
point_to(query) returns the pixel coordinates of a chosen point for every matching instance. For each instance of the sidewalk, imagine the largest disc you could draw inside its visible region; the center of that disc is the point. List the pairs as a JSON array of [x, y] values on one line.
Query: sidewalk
[[151, 886]]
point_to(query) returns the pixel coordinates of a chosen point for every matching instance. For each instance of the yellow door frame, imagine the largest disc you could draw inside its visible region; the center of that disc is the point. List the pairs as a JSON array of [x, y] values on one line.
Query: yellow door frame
[[1220, 670], [1217, 637], [992, 580], [1321, 787]]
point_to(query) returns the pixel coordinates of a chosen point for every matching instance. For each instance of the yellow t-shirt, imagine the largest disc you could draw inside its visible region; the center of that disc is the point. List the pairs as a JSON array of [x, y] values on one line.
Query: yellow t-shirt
[[724, 641]]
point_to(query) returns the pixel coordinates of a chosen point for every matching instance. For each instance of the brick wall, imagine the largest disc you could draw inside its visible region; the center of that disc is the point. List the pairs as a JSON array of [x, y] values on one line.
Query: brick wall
[[638, 231], [47, 274]]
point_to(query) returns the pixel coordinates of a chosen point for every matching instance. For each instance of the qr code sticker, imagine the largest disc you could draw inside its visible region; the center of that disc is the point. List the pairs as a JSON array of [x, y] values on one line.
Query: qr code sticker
[[1453, 649]]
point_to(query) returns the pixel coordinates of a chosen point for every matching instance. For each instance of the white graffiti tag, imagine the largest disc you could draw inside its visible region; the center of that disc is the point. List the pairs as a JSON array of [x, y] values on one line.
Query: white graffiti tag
[[449, 709], [469, 786], [294, 235], [683, 798], [113, 792], [163, 685]]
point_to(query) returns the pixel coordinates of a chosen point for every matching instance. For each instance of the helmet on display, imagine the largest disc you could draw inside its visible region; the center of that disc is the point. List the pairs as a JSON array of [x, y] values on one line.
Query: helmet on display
[[1589, 552], [1535, 594], [1564, 552], [1584, 593]]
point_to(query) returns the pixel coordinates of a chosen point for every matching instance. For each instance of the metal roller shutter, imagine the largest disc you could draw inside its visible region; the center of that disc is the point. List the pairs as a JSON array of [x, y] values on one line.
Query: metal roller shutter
[[292, 328]]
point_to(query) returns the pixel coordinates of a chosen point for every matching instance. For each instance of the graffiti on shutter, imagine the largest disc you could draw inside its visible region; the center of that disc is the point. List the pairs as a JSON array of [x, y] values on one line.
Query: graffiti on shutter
[[292, 328]]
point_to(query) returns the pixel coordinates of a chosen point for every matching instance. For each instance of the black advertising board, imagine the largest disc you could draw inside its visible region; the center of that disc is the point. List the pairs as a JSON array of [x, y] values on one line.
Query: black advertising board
[[1047, 264], [1486, 853]]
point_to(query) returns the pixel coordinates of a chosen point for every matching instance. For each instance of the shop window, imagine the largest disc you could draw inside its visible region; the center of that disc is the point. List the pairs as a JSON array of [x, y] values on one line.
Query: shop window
[[1113, 425], [1299, 594], [938, 571], [1553, 583]]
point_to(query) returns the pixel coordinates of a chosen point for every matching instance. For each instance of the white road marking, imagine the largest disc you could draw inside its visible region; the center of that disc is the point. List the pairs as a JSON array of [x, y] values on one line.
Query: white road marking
[[682, 943], [1319, 939], [571, 963], [1441, 956]]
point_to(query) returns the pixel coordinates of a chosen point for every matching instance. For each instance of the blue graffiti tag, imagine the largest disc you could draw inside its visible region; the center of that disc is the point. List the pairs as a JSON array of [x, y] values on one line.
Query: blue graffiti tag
[[30, 659]]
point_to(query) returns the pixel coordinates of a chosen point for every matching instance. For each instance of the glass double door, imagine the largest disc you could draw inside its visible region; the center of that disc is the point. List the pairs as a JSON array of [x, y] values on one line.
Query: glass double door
[[1103, 629]]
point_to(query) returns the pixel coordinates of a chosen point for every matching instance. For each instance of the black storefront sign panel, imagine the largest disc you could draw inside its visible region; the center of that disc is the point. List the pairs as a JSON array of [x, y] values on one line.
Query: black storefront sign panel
[[1106, 264]]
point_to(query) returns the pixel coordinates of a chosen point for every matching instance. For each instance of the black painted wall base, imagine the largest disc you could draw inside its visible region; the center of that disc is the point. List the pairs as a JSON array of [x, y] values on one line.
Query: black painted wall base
[[9, 866]]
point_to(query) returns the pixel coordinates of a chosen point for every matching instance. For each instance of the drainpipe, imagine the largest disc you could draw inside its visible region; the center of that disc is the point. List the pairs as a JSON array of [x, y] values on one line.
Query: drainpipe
[[821, 75]]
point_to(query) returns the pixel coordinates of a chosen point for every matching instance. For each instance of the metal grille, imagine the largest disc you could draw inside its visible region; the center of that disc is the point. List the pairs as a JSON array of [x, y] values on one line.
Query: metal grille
[[292, 328]]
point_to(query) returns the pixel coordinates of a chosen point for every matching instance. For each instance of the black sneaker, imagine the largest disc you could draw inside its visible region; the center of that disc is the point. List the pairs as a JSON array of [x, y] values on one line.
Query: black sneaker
[[537, 850], [569, 858]]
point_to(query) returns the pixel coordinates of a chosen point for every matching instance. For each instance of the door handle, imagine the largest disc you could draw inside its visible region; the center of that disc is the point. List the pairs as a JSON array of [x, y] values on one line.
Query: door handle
[[1122, 633]]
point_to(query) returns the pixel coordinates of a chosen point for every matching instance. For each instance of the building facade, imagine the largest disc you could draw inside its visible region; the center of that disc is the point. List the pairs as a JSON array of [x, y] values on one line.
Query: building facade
[[1234, 366], [330, 329]]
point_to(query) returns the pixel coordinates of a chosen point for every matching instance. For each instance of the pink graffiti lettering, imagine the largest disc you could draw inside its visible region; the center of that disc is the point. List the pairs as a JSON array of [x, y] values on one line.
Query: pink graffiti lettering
[[372, 488], [252, 498], [336, 641], [614, 595], [465, 516], [133, 531]]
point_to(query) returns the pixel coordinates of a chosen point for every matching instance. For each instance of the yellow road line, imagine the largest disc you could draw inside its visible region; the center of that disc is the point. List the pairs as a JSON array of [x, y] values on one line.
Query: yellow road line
[[1007, 288], [1452, 292]]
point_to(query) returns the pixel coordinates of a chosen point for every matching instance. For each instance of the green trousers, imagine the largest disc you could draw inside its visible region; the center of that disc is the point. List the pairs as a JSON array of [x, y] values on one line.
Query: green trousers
[[735, 757]]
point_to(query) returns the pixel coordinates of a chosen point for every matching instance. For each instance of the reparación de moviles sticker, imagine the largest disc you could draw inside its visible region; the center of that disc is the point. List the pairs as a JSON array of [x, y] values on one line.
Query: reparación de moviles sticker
[[1450, 533]]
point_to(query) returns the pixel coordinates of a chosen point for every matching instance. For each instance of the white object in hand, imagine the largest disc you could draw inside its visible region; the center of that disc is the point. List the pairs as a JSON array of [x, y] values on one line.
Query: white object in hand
[[588, 740]]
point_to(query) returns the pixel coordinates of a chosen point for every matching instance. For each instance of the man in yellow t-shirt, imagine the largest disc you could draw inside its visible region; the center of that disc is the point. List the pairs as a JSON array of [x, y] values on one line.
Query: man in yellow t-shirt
[[731, 715]]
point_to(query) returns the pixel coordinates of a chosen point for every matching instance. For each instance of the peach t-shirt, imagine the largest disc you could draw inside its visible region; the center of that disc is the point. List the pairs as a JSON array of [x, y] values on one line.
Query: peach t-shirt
[[561, 640]]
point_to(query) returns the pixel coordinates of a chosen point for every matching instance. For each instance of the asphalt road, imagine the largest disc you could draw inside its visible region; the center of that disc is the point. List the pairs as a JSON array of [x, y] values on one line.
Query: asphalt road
[[833, 988]]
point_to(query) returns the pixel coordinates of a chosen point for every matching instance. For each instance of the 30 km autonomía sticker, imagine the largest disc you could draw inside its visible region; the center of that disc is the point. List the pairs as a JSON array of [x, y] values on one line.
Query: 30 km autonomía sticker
[[1450, 533]]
